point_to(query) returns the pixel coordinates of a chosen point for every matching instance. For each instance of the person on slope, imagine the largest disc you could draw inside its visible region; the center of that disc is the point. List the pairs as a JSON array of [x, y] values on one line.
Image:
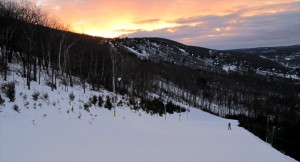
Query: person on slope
[[229, 126]]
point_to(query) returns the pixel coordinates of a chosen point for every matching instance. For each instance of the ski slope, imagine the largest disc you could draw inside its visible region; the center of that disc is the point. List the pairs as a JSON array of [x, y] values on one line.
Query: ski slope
[[48, 132]]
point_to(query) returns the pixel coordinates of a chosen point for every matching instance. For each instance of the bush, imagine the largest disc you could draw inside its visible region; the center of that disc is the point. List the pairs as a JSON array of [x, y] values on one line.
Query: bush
[[45, 96], [16, 108], [51, 85], [35, 96], [171, 108], [24, 97], [87, 106], [26, 104], [1, 100], [108, 104], [120, 103], [10, 90], [71, 96], [100, 101], [94, 100]]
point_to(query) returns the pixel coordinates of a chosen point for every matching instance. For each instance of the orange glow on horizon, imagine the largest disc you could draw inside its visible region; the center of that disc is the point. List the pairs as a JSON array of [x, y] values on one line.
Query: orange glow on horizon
[[108, 18]]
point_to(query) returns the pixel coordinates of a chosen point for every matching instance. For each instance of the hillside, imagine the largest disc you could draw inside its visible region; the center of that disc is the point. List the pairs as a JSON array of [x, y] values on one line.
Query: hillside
[[55, 128], [154, 74], [288, 56]]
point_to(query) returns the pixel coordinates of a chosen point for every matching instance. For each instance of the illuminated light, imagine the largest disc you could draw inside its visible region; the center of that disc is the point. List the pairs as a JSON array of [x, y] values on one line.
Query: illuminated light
[[108, 18], [215, 35], [57, 8], [218, 29], [108, 34], [171, 30], [228, 28], [232, 21], [256, 13], [195, 24]]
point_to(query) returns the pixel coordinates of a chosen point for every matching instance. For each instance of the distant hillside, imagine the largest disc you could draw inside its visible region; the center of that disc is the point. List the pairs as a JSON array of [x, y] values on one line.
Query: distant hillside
[[288, 56]]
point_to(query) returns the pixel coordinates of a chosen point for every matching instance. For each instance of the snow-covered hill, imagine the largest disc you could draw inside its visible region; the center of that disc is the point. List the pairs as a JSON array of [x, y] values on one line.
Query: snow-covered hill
[[275, 61], [54, 128]]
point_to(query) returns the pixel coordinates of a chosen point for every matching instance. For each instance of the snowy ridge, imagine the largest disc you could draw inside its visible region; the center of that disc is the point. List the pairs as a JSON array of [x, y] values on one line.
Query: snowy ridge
[[58, 129], [142, 55]]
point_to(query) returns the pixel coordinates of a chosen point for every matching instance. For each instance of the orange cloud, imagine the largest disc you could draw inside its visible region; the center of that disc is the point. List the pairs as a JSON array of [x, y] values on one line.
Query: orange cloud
[[112, 18]]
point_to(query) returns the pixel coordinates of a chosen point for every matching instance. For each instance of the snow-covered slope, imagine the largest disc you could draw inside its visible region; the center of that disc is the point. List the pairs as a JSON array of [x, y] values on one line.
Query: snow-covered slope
[[57, 129]]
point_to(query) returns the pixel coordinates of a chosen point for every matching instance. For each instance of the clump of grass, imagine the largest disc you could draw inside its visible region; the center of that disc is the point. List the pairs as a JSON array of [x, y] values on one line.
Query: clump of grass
[[16, 108], [35, 96]]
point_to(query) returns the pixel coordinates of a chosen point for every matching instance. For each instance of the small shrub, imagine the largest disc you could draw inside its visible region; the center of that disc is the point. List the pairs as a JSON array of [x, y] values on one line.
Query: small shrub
[[132, 101], [35, 96], [49, 84], [26, 105], [45, 96], [100, 101], [10, 90], [16, 108], [24, 97], [1, 100], [94, 100], [120, 103], [108, 104], [71, 96], [87, 106]]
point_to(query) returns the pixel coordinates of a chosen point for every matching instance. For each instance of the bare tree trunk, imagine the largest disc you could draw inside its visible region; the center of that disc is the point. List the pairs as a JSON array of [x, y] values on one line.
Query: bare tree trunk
[[60, 51], [40, 72], [52, 83], [28, 75], [34, 69], [5, 62]]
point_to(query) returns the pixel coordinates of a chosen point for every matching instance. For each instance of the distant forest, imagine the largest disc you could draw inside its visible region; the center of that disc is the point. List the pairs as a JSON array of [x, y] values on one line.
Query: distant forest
[[265, 105]]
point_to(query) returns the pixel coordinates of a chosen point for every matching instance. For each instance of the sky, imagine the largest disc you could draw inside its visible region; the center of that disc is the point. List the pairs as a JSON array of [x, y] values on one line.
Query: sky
[[217, 24]]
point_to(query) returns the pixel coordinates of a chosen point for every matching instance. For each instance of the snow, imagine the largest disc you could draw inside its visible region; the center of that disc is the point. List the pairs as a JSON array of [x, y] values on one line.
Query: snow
[[182, 51], [228, 68], [140, 55], [50, 133], [288, 76], [155, 44]]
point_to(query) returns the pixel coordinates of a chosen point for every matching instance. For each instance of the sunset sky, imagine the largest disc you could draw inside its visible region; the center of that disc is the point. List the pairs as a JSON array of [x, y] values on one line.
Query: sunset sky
[[220, 24]]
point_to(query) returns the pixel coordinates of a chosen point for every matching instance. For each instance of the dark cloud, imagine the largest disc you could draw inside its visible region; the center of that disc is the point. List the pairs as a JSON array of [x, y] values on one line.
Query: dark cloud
[[234, 30]]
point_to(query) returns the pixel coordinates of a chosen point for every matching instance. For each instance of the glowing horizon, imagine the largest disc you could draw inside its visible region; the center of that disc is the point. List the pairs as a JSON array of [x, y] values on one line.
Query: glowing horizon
[[196, 22]]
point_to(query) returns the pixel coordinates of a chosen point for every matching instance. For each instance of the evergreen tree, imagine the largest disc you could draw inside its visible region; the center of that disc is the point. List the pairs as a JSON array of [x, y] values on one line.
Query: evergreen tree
[[108, 104], [100, 101], [94, 100]]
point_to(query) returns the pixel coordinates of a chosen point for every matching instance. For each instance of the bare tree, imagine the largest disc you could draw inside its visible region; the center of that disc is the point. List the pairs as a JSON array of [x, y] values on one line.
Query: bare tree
[[113, 52]]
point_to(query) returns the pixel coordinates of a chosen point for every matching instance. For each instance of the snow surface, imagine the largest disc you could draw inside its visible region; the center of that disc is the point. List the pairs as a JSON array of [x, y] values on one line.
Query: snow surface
[[50, 133], [140, 55], [228, 68], [288, 76]]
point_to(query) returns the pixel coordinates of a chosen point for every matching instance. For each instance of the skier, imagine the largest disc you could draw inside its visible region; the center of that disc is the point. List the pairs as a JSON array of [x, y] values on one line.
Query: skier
[[229, 126]]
